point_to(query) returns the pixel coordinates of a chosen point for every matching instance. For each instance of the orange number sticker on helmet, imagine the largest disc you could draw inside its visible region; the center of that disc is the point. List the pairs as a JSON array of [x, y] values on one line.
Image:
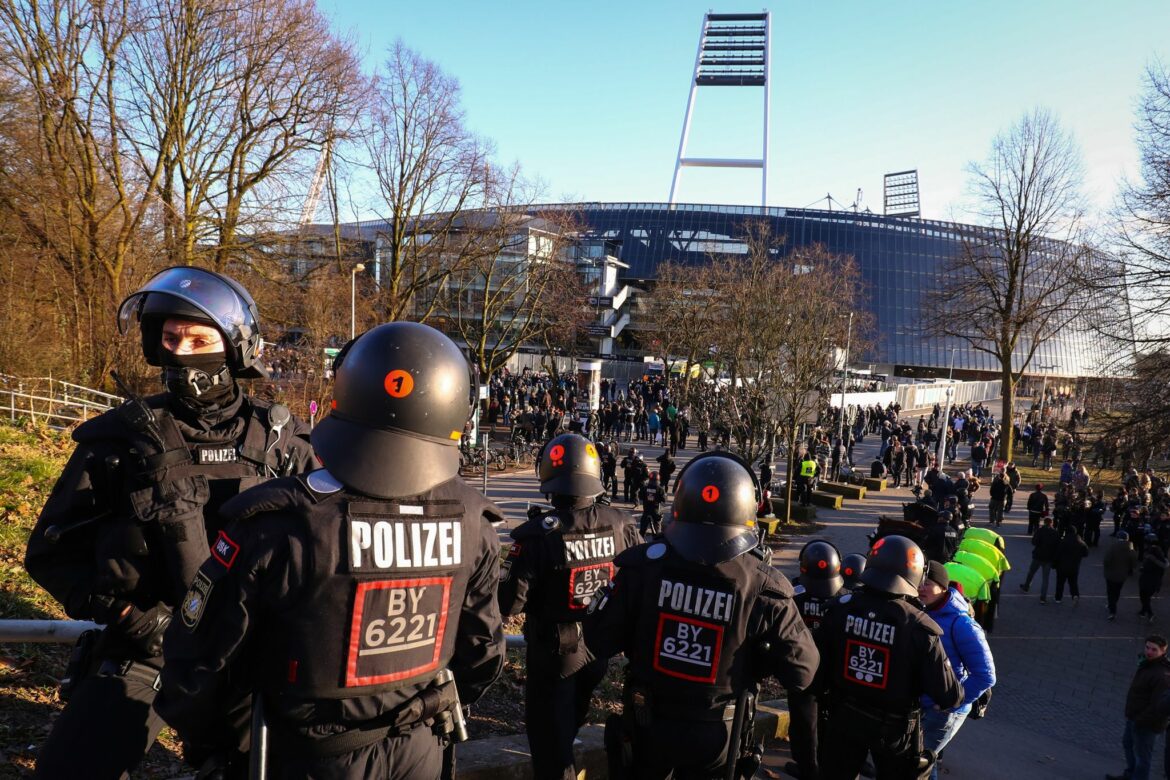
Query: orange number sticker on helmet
[[399, 383], [710, 494], [557, 455]]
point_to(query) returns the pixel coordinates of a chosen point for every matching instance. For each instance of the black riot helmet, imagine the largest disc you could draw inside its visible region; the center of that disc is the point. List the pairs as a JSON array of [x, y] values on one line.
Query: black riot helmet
[[201, 296], [894, 564], [820, 569], [570, 466], [714, 512], [400, 399], [852, 565]]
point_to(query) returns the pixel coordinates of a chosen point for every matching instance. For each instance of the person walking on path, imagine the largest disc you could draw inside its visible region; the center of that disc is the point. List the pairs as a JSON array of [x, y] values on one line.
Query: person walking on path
[[1142, 721], [998, 493], [1119, 562], [1037, 508], [1045, 542], [1153, 566], [1069, 554]]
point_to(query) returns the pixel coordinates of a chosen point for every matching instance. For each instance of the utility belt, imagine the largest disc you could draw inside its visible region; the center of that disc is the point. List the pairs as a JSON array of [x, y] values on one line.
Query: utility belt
[[869, 719], [436, 706], [641, 708]]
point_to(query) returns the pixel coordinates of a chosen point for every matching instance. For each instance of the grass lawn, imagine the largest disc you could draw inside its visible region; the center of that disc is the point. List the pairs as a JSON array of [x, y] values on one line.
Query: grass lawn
[[31, 459]]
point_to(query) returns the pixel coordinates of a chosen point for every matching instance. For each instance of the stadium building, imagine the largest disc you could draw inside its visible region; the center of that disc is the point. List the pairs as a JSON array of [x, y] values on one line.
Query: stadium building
[[901, 257]]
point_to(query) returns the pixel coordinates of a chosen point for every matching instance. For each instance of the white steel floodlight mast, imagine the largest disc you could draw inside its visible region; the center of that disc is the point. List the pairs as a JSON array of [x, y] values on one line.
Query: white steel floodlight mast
[[733, 52]]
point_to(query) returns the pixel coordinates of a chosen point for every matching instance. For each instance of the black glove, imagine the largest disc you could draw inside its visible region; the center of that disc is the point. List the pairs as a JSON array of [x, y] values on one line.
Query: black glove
[[145, 629]]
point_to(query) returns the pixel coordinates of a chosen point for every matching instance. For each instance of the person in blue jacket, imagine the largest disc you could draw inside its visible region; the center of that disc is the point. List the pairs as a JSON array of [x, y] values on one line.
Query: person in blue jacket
[[966, 648]]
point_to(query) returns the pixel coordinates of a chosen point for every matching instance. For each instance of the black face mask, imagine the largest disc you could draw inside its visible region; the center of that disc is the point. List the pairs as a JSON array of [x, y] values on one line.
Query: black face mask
[[201, 380]]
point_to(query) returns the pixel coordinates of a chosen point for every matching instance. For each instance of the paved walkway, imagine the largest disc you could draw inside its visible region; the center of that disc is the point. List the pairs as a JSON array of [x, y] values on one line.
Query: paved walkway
[[1063, 669]]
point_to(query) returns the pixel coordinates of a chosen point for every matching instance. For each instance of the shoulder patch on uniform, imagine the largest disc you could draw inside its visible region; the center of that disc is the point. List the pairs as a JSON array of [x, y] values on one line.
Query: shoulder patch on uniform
[[656, 551], [321, 481], [196, 600], [225, 550], [551, 522], [845, 599], [797, 590]]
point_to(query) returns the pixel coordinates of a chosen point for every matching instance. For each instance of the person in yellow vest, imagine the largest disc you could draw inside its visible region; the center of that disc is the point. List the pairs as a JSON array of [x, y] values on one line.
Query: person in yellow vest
[[986, 535], [806, 478], [975, 587], [991, 574], [993, 555]]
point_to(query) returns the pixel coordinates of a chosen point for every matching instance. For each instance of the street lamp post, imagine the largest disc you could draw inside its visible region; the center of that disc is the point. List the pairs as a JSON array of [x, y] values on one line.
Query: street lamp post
[[357, 269], [940, 449], [844, 376]]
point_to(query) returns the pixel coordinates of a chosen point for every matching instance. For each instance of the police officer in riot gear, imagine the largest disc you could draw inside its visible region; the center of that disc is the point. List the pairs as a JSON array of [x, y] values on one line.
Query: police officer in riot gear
[[703, 619], [820, 582], [652, 497], [557, 563], [132, 516], [344, 598], [881, 653], [852, 566]]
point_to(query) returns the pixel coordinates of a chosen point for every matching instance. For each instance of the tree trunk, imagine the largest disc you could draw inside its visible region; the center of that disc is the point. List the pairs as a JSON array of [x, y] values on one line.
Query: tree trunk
[[789, 467], [1007, 416]]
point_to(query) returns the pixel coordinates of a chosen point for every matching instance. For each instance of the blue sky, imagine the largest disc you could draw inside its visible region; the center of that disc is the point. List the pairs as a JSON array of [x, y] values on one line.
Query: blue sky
[[590, 97]]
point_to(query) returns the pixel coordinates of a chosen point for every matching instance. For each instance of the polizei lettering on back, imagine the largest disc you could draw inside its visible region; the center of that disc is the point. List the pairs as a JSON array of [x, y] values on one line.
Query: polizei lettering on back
[[695, 600], [869, 629], [589, 547], [211, 455], [387, 545]]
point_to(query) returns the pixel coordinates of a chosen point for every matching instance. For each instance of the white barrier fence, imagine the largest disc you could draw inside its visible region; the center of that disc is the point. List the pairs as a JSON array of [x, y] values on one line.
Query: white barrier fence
[[923, 396], [52, 401]]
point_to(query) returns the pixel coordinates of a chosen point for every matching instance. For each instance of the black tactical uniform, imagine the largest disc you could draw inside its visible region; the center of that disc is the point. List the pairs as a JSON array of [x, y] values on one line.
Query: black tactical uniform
[[133, 515], [819, 583], [881, 652], [629, 472], [652, 497], [609, 470], [344, 596], [703, 618], [556, 565]]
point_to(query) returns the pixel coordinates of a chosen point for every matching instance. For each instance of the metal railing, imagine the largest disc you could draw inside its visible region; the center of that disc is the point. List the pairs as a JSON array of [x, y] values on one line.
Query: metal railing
[[66, 631], [53, 401]]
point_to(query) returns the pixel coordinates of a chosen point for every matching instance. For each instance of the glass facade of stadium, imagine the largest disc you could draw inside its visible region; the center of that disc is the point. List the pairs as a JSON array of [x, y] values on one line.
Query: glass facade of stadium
[[901, 259]]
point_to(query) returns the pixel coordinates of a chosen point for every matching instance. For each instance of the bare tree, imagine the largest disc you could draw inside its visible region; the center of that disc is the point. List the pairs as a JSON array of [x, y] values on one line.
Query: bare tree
[[238, 101], [498, 300], [1139, 285], [684, 314], [80, 198], [430, 170], [765, 322], [1018, 282]]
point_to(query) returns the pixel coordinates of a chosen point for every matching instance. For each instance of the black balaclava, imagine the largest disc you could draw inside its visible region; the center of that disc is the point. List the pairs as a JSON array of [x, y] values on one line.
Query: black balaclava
[[201, 383]]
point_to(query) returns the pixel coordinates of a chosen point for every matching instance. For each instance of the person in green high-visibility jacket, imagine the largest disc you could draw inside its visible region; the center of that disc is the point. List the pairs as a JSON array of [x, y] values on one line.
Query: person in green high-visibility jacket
[[986, 535], [806, 478], [987, 552], [993, 555], [976, 588], [991, 574]]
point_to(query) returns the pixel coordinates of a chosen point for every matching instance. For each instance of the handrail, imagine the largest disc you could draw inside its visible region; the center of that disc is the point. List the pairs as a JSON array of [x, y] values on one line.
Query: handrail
[[66, 631]]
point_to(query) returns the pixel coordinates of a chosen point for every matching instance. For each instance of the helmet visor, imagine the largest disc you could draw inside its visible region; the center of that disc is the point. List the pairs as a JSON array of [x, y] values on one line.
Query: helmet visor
[[205, 291]]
